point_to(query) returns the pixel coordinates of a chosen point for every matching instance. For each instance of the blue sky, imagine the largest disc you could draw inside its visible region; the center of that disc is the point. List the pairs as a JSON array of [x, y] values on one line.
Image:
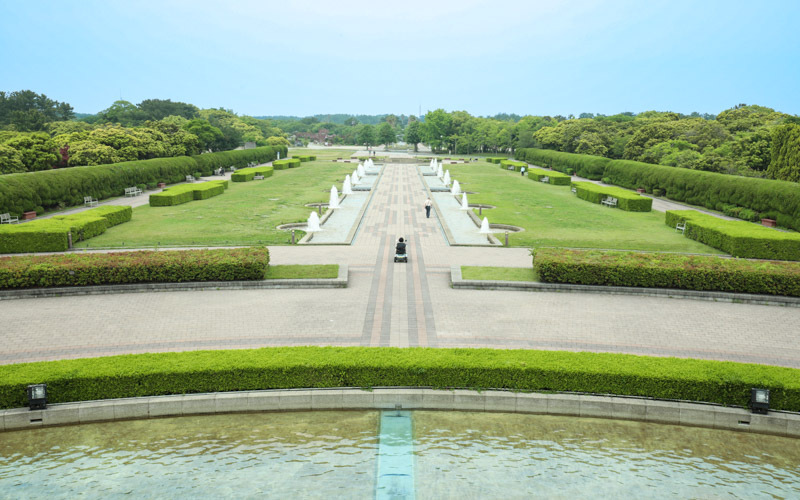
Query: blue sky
[[540, 57]]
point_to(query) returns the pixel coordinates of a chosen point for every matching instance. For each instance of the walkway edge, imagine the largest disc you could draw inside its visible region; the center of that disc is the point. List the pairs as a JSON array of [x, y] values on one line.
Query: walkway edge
[[574, 405], [32, 293], [531, 286]]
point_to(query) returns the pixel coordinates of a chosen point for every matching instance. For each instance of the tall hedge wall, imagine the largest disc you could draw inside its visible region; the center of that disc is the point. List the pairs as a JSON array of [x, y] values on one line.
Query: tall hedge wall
[[590, 167], [51, 189]]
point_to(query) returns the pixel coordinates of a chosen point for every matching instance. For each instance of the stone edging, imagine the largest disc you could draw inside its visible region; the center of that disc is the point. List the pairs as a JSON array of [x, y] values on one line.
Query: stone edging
[[575, 405], [31, 293], [531, 286]]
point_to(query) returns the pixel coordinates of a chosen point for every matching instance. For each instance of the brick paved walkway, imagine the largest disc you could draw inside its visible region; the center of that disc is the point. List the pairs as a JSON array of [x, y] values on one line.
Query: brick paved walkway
[[390, 304]]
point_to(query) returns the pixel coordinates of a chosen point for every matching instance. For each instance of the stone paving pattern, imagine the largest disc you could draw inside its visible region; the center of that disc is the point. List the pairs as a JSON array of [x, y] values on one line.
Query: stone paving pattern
[[388, 304]]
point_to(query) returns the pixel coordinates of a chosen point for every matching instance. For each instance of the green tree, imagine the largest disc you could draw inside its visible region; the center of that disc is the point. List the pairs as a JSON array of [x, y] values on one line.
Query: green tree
[[209, 136], [366, 135], [412, 134], [438, 128], [158, 109], [386, 135], [785, 163], [37, 150]]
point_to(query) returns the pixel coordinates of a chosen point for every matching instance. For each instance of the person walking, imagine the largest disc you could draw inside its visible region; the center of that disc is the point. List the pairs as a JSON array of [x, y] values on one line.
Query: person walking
[[523, 171], [428, 205]]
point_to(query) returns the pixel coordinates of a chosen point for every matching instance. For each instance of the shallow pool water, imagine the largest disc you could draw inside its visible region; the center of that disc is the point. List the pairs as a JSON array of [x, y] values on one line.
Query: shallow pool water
[[336, 454]]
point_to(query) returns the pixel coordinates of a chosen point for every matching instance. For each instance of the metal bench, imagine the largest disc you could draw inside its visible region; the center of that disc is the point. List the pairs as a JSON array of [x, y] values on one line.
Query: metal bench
[[545, 179], [574, 190], [258, 177], [189, 178], [680, 226], [133, 191], [88, 201], [609, 201], [7, 219]]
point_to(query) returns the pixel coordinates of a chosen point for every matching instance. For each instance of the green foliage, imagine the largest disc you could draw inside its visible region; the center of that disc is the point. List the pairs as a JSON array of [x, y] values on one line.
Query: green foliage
[[133, 267], [725, 383], [286, 163], [185, 193], [26, 110], [27, 152], [247, 174], [496, 159], [590, 167], [512, 165], [738, 238], [626, 200], [386, 134], [785, 163], [662, 270], [555, 178]]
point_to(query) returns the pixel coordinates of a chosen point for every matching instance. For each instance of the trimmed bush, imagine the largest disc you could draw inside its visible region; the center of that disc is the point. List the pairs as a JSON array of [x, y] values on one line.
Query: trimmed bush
[[496, 159], [626, 200], [185, 193], [287, 163], [666, 270], [590, 167], [51, 235], [133, 267], [247, 174], [137, 375], [738, 238], [52, 189], [512, 165], [304, 158], [555, 178]]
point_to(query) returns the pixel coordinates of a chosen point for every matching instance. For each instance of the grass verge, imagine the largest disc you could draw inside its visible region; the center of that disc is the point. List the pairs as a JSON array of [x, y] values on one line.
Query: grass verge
[[498, 273], [299, 272]]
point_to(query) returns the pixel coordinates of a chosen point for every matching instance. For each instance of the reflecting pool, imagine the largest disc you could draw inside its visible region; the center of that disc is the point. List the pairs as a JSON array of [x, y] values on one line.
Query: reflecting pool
[[343, 454]]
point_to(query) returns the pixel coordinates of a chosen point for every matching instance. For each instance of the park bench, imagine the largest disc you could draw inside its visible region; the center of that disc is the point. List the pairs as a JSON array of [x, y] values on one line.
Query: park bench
[[545, 179], [88, 201], [574, 190], [7, 219], [232, 168], [189, 178], [680, 226], [609, 201], [133, 191], [258, 177]]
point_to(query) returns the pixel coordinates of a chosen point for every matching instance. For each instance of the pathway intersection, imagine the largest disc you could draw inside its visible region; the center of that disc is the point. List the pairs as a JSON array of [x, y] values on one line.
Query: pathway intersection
[[396, 304]]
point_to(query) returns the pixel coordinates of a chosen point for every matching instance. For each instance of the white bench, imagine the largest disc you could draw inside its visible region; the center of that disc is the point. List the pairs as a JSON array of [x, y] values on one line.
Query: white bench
[[545, 179], [189, 178], [609, 201], [133, 191], [258, 177], [574, 190], [680, 226], [7, 219], [88, 201]]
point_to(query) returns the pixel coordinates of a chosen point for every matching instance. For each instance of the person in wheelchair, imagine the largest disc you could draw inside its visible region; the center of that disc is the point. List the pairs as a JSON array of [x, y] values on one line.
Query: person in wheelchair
[[400, 251]]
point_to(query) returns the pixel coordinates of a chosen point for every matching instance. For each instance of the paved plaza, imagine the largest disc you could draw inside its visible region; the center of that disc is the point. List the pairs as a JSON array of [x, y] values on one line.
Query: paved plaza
[[396, 304]]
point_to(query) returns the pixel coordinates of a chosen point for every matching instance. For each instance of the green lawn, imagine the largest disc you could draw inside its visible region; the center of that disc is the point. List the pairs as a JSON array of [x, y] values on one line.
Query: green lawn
[[247, 213], [498, 273], [296, 272], [553, 216], [324, 154]]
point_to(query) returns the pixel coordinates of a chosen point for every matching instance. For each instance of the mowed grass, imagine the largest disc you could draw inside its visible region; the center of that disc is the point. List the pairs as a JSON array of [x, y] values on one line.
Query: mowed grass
[[295, 272], [324, 154], [554, 217], [247, 213], [498, 273]]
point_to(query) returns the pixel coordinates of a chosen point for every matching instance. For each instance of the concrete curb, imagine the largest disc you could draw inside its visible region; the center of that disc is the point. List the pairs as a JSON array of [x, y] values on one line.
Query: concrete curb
[[339, 282], [457, 281], [575, 405]]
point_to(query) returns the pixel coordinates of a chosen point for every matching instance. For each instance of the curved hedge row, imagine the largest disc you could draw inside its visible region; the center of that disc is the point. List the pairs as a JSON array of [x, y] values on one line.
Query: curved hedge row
[[590, 167], [554, 178], [185, 193], [663, 270], [738, 238], [52, 189], [51, 235], [771, 199], [133, 267], [286, 163], [724, 383], [626, 200], [247, 174]]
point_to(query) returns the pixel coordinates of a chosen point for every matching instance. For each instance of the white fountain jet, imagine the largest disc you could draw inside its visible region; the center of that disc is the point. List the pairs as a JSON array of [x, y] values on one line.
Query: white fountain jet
[[439, 172], [485, 227], [361, 170], [433, 163], [334, 202], [446, 179], [456, 189], [464, 204], [346, 187], [313, 223], [354, 178]]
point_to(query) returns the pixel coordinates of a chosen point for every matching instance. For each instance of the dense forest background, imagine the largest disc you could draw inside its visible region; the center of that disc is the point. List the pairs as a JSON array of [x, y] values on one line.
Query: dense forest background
[[38, 133]]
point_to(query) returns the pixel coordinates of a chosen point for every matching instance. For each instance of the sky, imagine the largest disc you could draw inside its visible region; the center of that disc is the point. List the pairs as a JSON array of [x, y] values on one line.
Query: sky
[[537, 57]]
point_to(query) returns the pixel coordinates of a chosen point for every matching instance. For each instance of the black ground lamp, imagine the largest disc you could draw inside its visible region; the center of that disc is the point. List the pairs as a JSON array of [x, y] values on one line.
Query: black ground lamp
[[759, 400], [37, 396]]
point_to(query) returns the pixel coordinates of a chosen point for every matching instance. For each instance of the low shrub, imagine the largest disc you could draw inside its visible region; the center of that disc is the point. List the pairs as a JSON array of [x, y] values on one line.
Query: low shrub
[[247, 174], [133, 267], [738, 238], [185, 193], [626, 200], [286, 163], [512, 165], [137, 375], [496, 159], [667, 270], [555, 178], [304, 158]]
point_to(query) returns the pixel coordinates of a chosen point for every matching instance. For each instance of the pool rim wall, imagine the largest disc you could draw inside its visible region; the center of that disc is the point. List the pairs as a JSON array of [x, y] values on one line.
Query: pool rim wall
[[779, 423]]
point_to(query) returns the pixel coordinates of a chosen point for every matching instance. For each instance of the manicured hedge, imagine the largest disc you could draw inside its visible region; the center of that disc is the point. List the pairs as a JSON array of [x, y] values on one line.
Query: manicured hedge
[[133, 267], [555, 178], [247, 174], [496, 159], [772, 199], [666, 270], [725, 383], [287, 163], [512, 165], [185, 193], [52, 189], [626, 200], [51, 235], [738, 238], [590, 167], [303, 158]]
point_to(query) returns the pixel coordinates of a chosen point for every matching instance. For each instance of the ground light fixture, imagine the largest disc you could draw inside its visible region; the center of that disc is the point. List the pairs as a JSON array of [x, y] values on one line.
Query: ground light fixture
[[759, 400], [37, 396]]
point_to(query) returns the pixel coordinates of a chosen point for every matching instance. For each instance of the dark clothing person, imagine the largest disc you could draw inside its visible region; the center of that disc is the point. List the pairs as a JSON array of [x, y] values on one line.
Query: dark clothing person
[[400, 249]]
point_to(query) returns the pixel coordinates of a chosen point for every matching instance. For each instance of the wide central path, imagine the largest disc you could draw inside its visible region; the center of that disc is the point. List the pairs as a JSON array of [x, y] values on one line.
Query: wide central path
[[388, 304]]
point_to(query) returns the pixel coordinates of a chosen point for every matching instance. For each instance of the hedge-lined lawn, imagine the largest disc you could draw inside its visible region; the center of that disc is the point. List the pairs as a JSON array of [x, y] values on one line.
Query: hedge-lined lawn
[[553, 216], [296, 272], [246, 214], [498, 273], [324, 154]]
